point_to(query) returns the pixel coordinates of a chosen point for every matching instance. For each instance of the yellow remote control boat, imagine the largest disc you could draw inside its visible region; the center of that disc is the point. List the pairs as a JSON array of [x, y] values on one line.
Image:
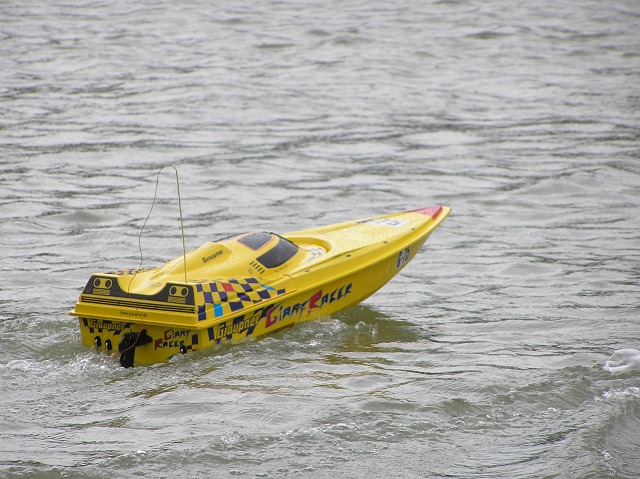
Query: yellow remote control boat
[[247, 285]]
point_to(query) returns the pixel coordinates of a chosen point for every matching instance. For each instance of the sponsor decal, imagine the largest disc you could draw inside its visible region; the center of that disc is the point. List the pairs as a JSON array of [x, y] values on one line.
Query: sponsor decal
[[133, 314], [277, 313], [314, 253], [238, 325], [107, 325], [172, 338], [211, 256], [317, 300], [403, 258], [394, 223]]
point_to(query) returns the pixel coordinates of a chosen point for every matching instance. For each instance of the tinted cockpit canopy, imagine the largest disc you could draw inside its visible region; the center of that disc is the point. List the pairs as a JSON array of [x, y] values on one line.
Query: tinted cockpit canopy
[[277, 253]]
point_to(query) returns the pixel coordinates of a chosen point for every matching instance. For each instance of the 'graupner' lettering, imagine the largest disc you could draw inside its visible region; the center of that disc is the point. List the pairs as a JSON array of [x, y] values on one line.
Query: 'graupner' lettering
[[212, 256], [238, 326]]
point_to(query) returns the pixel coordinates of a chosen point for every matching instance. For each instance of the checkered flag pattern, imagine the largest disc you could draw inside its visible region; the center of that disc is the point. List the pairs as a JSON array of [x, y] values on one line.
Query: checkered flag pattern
[[220, 298]]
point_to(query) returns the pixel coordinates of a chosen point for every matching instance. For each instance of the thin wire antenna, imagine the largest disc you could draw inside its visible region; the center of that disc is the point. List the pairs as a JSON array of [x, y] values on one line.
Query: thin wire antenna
[[155, 196], [184, 247]]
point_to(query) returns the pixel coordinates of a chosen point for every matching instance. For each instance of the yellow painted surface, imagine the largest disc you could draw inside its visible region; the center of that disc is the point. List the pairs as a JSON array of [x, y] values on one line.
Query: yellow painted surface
[[229, 292]]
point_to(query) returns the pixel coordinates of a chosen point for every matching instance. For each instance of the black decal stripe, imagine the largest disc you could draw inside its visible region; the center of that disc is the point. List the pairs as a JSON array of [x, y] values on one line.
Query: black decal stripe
[[123, 303]]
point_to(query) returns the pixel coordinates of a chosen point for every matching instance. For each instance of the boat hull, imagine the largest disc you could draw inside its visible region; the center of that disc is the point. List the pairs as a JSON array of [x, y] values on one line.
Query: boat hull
[[195, 315]]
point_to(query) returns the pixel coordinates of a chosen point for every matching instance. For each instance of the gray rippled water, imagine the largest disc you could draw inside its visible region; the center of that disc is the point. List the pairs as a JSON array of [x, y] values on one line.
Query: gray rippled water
[[509, 347]]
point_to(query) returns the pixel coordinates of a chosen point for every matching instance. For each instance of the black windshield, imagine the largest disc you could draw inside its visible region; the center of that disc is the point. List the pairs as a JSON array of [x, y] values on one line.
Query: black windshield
[[255, 241], [282, 252]]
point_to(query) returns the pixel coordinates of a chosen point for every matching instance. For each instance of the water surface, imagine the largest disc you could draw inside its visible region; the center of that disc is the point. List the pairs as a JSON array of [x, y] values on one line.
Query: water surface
[[509, 347]]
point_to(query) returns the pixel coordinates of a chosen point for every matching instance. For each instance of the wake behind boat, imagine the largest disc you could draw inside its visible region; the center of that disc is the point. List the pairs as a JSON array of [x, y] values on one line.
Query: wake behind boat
[[247, 285]]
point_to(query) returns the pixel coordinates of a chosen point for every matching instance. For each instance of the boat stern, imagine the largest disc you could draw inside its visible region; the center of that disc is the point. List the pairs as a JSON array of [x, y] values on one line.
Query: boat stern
[[112, 319]]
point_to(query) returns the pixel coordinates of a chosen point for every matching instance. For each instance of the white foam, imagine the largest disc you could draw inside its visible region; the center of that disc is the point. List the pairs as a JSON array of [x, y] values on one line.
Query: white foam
[[623, 360]]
